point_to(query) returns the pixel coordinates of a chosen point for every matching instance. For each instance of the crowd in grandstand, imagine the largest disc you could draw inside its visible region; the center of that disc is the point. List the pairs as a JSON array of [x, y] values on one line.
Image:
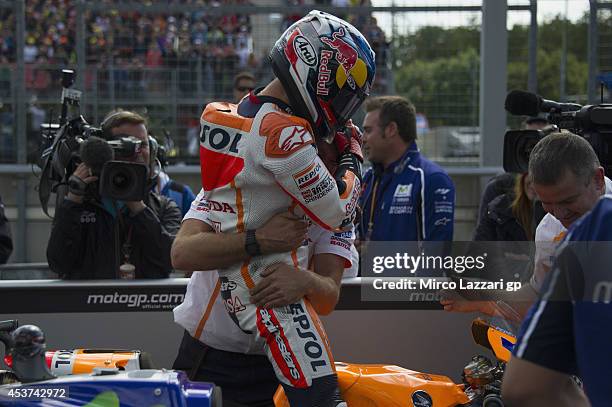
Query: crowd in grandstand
[[144, 40]]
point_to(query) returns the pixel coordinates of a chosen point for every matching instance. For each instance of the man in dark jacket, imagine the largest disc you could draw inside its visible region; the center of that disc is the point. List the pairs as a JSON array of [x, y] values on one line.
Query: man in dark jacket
[[93, 238]]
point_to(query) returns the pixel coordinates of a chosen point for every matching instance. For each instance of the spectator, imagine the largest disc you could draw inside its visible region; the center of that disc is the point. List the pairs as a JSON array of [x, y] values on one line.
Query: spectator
[[92, 237], [509, 216], [6, 242], [244, 82], [504, 183], [181, 194], [406, 197]]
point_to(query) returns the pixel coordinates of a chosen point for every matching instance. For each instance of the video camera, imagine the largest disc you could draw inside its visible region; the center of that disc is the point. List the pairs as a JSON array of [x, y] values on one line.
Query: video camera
[[73, 141], [592, 122]]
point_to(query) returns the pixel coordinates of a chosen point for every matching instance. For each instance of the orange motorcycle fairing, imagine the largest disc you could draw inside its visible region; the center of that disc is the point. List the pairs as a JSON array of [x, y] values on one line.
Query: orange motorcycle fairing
[[365, 385]]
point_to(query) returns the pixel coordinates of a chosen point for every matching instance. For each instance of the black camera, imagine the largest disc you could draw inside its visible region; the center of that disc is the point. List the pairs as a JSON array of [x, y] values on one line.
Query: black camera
[[72, 141], [592, 122]]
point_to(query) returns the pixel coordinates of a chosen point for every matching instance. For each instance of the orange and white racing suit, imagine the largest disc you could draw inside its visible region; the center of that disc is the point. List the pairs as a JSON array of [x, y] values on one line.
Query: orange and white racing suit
[[253, 167]]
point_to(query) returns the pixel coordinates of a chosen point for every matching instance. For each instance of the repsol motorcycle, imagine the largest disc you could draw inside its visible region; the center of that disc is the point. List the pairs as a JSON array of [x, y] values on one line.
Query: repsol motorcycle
[[372, 385]]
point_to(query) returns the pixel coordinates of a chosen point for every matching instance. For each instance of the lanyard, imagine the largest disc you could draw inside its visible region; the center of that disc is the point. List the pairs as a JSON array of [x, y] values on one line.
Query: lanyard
[[372, 205], [377, 181]]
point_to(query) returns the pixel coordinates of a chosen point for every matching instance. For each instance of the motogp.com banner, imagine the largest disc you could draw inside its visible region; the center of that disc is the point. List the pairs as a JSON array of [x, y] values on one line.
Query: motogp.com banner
[[425, 271]]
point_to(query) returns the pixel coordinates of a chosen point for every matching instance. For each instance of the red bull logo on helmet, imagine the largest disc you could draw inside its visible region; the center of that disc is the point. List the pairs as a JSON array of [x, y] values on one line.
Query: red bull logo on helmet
[[354, 70]]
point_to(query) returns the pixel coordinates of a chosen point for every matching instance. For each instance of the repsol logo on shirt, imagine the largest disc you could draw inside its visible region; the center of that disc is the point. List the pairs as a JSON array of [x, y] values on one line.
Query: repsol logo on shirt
[[312, 346], [220, 139]]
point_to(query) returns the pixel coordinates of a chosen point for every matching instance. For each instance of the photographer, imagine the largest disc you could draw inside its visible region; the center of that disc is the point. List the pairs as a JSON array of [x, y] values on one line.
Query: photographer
[[95, 237]]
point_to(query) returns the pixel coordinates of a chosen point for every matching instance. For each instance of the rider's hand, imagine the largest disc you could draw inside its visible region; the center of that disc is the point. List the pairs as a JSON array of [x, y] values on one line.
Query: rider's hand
[[349, 140], [282, 233], [279, 286], [82, 175]]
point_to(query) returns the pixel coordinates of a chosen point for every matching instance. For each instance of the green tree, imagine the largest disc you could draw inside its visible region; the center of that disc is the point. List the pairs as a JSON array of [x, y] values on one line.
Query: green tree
[[445, 89]]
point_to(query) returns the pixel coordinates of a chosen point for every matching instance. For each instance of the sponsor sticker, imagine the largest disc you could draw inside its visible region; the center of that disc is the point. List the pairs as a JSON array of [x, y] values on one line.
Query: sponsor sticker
[[443, 207], [324, 73], [400, 209], [442, 222], [304, 50], [318, 190], [421, 398], [308, 177], [338, 241], [403, 191], [293, 137]]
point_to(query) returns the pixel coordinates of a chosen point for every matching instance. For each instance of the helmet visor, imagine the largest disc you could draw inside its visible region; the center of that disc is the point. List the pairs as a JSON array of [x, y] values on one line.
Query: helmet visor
[[346, 103]]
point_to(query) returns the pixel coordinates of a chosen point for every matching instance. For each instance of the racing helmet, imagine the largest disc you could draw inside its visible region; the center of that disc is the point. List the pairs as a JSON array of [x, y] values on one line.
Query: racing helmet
[[326, 67]]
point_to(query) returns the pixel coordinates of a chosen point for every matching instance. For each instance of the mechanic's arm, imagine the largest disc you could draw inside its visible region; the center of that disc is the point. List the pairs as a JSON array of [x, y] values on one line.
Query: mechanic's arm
[[156, 234], [198, 247], [282, 284], [528, 385], [520, 301]]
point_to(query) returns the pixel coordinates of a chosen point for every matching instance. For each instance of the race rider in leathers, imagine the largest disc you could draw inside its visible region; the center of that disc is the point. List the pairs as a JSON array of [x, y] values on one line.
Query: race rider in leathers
[[259, 158]]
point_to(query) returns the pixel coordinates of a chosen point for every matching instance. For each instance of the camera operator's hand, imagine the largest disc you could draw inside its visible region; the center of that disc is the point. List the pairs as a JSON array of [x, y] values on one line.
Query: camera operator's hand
[[135, 207], [78, 181]]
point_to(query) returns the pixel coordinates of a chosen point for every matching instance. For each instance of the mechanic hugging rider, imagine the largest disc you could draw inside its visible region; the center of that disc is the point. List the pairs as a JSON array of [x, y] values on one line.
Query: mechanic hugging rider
[[259, 159]]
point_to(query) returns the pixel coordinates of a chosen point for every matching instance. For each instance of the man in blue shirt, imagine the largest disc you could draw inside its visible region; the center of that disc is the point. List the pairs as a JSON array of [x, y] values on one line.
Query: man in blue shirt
[[406, 197], [567, 332]]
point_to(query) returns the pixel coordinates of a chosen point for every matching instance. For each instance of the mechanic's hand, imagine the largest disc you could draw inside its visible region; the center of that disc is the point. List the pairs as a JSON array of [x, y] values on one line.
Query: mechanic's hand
[[135, 207], [349, 140], [78, 182], [282, 233], [453, 302], [280, 285]]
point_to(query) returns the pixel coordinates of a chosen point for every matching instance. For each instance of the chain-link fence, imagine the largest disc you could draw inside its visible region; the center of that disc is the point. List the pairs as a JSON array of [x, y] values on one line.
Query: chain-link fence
[[8, 52]]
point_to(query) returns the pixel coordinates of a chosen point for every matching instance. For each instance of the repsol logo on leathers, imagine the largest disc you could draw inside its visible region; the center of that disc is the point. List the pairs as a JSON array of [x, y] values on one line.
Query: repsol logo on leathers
[[312, 347], [220, 139]]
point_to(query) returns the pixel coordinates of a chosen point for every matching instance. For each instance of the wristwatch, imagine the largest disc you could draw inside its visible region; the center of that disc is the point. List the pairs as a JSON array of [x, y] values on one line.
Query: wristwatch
[[250, 245]]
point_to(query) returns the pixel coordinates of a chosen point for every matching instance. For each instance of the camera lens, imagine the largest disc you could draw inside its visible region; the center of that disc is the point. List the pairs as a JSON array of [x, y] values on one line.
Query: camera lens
[[120, 180], [125, 181]]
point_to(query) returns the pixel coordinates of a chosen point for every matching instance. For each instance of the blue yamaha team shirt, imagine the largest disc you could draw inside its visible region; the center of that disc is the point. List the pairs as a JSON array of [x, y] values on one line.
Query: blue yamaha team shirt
[[413, 200], [570, 328]]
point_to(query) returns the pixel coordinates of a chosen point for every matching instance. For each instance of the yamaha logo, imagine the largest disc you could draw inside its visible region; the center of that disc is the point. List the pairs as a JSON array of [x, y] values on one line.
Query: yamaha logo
[[305, 50]]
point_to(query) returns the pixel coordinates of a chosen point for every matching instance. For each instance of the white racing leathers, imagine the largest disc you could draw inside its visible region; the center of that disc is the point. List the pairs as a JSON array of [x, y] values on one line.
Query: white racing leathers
[[252, 169]]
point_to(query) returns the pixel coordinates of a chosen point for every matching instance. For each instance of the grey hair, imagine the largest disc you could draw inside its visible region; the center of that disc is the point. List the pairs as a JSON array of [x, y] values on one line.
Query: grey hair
[[559, 152]]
